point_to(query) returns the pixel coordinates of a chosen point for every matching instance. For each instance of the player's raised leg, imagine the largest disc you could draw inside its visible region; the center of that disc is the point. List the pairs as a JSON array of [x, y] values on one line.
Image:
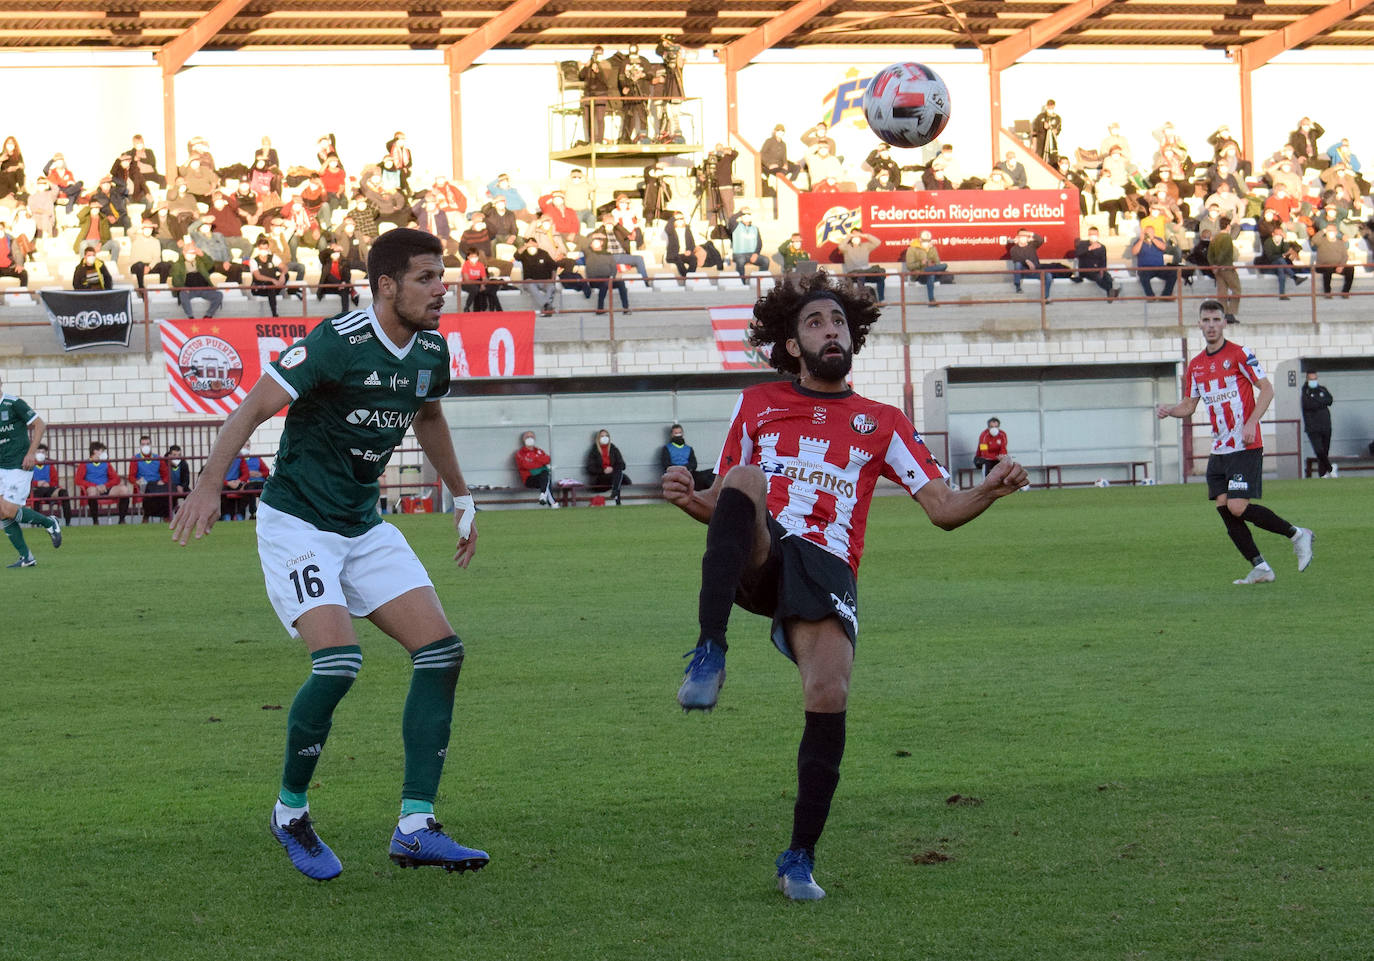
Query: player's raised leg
[[417, 621], [736, 541]]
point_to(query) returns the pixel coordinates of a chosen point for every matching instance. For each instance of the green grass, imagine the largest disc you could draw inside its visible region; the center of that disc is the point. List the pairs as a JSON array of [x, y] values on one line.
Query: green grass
[[1169, 767]]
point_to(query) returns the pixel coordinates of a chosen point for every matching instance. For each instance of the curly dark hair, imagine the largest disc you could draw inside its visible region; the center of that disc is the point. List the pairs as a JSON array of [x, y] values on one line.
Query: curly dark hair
[[775, 315]]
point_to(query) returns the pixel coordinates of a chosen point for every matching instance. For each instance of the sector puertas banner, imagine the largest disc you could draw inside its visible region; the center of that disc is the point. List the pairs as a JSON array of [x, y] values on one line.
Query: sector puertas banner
[[212, 364], [964, 224]]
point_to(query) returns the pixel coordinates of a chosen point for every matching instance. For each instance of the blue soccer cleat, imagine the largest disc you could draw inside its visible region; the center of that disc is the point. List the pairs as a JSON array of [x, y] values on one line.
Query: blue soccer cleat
[[309, 855], [705, 677], [29, 561], [794, 876], [430, 845]]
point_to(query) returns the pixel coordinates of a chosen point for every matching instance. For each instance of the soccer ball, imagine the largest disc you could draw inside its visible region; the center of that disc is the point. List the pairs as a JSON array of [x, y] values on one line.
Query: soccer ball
[[1103, 482], [906, 104]]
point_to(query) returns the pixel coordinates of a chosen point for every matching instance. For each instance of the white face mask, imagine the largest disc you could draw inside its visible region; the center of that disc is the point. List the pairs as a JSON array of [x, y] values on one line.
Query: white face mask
[[1311, 383], [529, 441], [994, 431], [145, 450], [98, 456], [41, 456], [604, 439]]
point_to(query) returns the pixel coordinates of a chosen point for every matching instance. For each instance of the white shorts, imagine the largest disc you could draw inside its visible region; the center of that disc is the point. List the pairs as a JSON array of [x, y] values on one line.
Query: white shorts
[[305, 567], [14, 485]]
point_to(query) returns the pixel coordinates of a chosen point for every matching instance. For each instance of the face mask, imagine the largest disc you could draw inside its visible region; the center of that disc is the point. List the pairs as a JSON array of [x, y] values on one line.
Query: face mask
[[603, 440], [41, 456], [177, 462], [244, 453], [98, 456], [1311, 383], [994, 431], [679, 439], [529, 441], [145, 450]]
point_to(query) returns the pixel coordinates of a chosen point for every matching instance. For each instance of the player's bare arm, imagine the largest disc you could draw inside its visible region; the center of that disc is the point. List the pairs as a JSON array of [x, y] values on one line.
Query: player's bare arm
[[1263, 398], [949, 509], [199, 511], [680, 491], [432, 433], [36, 429], [1183, 408]]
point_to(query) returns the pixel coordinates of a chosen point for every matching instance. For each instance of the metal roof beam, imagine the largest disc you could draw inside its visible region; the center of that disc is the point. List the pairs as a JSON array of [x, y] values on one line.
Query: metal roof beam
[[1004, 53], [173, 56]]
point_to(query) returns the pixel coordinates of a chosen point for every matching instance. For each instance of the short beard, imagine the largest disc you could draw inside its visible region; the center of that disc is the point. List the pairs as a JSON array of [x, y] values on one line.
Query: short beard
[[828, 368]]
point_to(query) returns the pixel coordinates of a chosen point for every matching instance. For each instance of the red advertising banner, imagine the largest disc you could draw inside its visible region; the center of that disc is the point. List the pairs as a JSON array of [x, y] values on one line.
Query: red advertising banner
[[730, 325], [212, 364], [964, 224]]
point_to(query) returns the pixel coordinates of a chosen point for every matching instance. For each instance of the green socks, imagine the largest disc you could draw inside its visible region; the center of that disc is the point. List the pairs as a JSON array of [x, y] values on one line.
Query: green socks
[[16, 536], [332, 671], [27, 515], [428, 717]]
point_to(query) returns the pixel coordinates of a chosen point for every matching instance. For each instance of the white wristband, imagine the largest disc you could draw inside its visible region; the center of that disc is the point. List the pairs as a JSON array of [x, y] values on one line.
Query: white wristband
[[466, 509]]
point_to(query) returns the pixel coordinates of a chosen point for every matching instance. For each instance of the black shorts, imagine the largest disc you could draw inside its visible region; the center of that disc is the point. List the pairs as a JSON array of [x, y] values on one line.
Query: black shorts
[[1239, 474], [800, 580]]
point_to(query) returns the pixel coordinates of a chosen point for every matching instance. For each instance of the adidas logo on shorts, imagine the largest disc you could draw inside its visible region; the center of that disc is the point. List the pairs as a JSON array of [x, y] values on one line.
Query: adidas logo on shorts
[[372, 380]]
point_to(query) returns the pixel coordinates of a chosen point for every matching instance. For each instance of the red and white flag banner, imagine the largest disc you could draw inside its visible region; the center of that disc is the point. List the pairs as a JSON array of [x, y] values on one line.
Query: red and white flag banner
[[730, 325]]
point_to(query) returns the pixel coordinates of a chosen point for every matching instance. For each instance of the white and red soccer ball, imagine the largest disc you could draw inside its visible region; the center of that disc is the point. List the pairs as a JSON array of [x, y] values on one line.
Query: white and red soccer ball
[[906, 105]]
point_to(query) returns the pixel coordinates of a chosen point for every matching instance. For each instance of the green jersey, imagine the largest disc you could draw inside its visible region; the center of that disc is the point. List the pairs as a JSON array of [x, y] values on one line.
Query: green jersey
[[353, 396], [15, 418]]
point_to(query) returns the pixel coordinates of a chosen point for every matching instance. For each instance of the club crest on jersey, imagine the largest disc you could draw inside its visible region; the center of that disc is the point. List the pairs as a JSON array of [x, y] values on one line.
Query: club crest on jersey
[[422, 380], [1226, 364], [818, 415], [863, 423]]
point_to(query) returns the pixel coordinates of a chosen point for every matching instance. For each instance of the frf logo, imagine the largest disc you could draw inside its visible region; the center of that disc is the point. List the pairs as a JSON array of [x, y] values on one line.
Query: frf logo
[[847, 100]]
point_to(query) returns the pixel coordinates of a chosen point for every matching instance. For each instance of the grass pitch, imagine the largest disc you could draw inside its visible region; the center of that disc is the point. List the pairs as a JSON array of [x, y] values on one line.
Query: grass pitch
[[1149, 763]]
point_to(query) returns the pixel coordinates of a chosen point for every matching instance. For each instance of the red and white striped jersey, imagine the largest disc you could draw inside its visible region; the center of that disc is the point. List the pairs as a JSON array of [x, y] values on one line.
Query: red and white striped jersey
[[1226, 383], [823, 454]]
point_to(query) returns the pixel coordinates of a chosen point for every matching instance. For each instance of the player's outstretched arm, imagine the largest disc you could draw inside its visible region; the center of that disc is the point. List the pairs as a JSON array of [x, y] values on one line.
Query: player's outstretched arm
[[1183, 408], [679, 489], [431, 430], [949, 509], [199, 511]]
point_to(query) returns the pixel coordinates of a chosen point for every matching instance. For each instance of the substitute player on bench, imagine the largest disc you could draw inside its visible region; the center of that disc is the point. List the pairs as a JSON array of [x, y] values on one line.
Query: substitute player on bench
[[786, 523]]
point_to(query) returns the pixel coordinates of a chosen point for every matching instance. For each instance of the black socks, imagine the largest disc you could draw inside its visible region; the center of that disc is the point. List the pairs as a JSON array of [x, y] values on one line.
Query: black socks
[[818, 774], [729, 537]]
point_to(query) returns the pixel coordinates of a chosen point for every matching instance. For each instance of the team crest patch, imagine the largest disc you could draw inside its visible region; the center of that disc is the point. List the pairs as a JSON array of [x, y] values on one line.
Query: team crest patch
[[211, 368], [292, 357], [422, 382], [1226, 364], [864, 423]]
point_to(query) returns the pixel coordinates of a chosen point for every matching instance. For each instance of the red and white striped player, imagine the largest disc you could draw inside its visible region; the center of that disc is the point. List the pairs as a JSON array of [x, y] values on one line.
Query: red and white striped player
[[786, 520], [1226, 378]]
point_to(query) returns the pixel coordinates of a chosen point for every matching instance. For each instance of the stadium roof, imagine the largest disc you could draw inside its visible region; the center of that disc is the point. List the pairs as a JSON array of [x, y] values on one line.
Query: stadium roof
[[422, 24]]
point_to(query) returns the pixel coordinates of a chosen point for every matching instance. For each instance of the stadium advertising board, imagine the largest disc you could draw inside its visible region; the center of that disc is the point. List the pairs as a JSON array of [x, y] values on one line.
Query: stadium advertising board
[[89, 318], [964, 224], [212, 364]]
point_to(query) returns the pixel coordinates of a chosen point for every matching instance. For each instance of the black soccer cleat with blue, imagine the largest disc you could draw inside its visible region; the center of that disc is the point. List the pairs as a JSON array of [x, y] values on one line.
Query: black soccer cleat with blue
[[705, 675], [431, 846], [309, 855]]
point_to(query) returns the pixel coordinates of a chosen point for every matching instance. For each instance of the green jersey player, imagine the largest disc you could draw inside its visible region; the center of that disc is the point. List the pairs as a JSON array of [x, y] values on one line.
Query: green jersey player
[[21, 430], [355, 384]]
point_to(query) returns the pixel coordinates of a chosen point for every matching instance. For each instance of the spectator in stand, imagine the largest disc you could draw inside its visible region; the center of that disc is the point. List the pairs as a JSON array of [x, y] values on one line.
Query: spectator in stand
[[431, 218], [282, 243], [214, 247], [725, 180], [602, 273], [1316, 422], [1092, 264], [933, 177], [554, 206], [1045, 130], [552, 243], [923, 263], [796, 262], [577, 193], [391, 204], [232, 495], [819, 134], [265, 181], [175, 482], [1277, 252], [882, 180], [146, 161], [626, 218], [1221, 260], [334, 179], [1224, 172], [948, 165], [47, 484], [879, 159], [536, 472], [678, 453], [1330, 214], [258, 471], [268, 277], [96, 478], [314, 198], [683, 251], [635, 88], [476, 239], [1222, 141], [128, 179], [992, 447], [1303, 140], [1078, 181], [598, 78], [267, 152], [64, 180], [1343, 177], [501, 221], [190, 279], [398, 150], [12, 259], [1172, 152], [93, 230], [145, 252], [538, 270], [226, 223], [746, 245], [1148, 251], [1340, 153], [855, 253], [1283, 204], [822, 166], [1228, 202], [114, 204], [90, 273], [199, 171], [355, 248], [1024, 255], [773, 156], [606, 466], [146, 471], [1014, 169], [481, 295], [325, 145], [997, 180], [452, 200], [1286, 173], [1331, 253], [501, 188], [619, 243], [336, 277], [43, 206], [12, 171], [365, 217]]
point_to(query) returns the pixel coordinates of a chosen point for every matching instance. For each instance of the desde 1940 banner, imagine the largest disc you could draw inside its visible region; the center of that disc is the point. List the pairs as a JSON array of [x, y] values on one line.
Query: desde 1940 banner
[[89, 318], [213, 364], [964, 224]]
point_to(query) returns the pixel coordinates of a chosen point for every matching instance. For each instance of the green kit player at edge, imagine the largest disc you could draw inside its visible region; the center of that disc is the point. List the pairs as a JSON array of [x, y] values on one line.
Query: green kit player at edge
[[354, 386], [21, 431]]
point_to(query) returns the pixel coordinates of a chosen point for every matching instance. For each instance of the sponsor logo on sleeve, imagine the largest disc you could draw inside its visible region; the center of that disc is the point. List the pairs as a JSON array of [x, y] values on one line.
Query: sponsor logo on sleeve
[[422, 381], [293, 357]]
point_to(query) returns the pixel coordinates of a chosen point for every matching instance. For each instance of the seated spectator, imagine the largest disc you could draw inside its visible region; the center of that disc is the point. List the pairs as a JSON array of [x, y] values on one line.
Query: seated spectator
[[354, 247], [96, 478], [822, 165], [47, 483], [93, 230], [267, 152], [214, 247], [145, 471], [1303, 140], [683, 251], [1014, 169], [281, 241], [146, 162], [1277, 254], [948, 166], [1340, 153], [365, 216], [1024, 254], [678, 453], [501, 188], [934, 178], [796, 262], [12, 259], [881, 180], [232, 495], [336, 277], [481, 292], [334, 180], [923, 263], [1287, 173], [113, 201], [1092, 264], [1342, 176], [602, 273], [226, 223], [314, 199], [91, 274], [773, 156], [12, 171], [746, 245], [63, 180], [992, 447], [551, 242], [199, 172], [430, 217], [855, 253], [880, 159], [452, 200], [268, 275], [1329, 214], [390, 203], [190, 280], [501, 221], [1331, 253], [145, 252], [997, 180], [1148, 251], [1227, 202], [578, 196], [536, 472], [43, 207], [626, 218], [266, 183], [258, 471], [605, 466], [619, 245], [554, 206], [538, 270]]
